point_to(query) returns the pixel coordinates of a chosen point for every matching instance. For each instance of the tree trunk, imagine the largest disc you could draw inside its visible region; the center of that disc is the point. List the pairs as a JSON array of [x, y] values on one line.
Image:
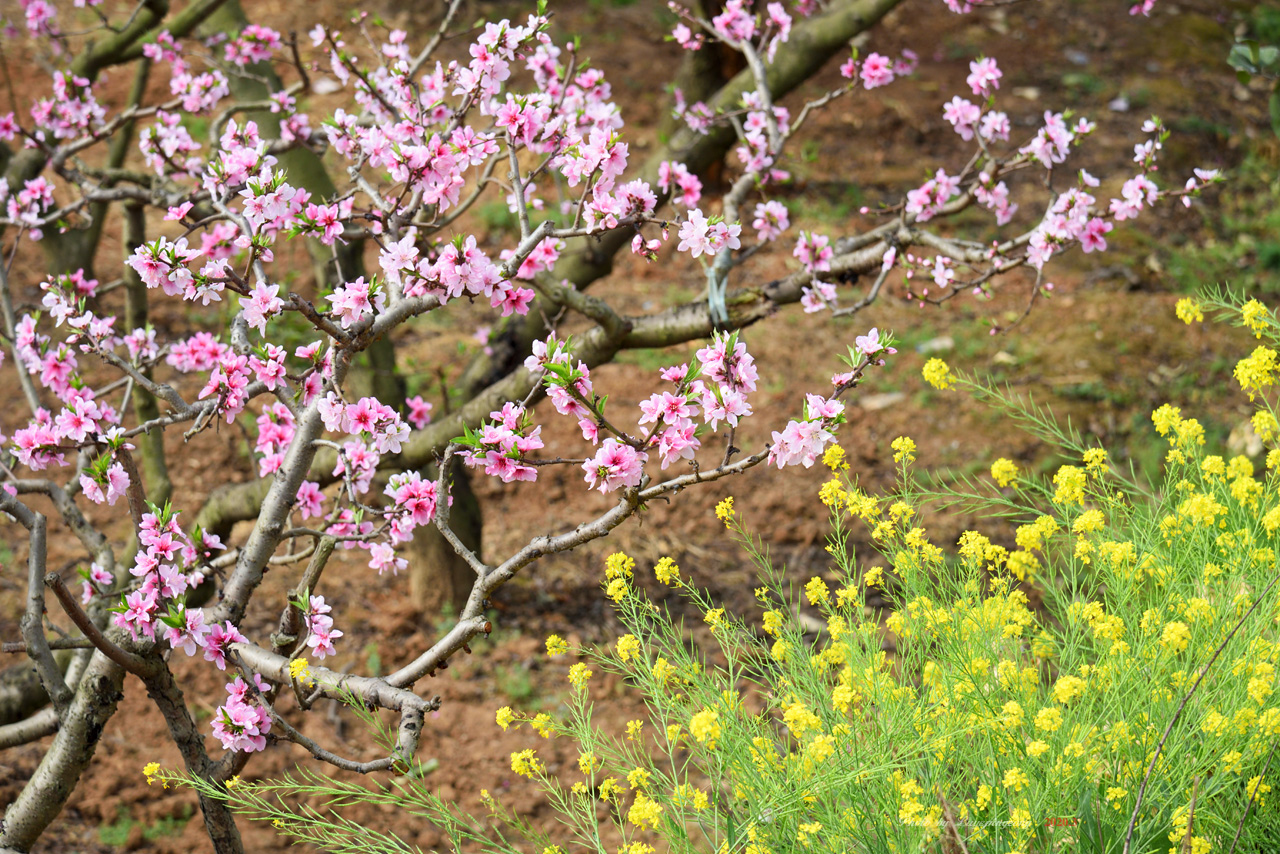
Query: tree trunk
[[439, 579]]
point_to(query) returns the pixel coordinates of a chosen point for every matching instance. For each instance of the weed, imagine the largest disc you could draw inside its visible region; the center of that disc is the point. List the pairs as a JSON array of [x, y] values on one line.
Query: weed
[[117, 833], [1243, 248], [516, 684]]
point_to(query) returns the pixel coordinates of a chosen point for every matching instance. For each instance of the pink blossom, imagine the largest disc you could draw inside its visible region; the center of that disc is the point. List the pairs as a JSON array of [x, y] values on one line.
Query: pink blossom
[[984, 76], [614, 465], [261, 304], [877, 70]]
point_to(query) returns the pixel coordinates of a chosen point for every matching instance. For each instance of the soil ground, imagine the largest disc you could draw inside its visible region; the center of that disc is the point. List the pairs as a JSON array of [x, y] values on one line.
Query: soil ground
[[1104, 351]]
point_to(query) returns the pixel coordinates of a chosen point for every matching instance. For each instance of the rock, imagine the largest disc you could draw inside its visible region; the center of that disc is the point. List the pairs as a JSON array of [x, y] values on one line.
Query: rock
[[325, 85], [1244, 440], [876, 402], [1004, 358], [941, 344]]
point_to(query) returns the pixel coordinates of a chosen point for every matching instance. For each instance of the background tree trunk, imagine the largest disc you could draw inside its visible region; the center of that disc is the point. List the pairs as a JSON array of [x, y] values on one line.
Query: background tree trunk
[[438, 576]]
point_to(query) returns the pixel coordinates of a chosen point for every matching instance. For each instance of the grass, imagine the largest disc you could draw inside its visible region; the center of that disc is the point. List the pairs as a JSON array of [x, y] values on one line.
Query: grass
[[516, 684], [1243, 250], [117, 833]]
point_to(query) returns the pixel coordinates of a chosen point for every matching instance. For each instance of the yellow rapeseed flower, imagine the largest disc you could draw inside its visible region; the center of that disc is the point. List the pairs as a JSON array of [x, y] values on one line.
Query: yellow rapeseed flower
[[1175, 636], [1254, 315], [543, 725], [1069, 482], [1189, 311], [638, 778], [1068, 688], [904, 449], [705, 726], [1265, 425], [1166, 418], [628, 647], [1088, 522], [832, 493], [579, 675], [937, 374], [610, 788], [505, 716], [1049, 719], [299, 672], [525, 763], [617, 589], [618, 565], [1095, 461], [834, 458], [644, 811], [1256, 372], [666, 571], [1016, 779], [150, 770], [1004, 471], [556, 645], [724, 511], [817, 591]]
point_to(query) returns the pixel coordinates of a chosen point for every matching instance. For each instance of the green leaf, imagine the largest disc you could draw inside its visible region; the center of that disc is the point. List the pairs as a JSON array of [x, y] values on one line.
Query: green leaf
[[1241, 59]]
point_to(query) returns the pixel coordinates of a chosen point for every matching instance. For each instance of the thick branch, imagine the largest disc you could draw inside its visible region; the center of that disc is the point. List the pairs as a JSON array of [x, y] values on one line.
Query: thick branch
[[33, 618]]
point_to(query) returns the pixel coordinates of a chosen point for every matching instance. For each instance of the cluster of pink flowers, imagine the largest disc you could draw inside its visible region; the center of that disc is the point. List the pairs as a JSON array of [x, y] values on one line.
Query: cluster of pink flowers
[[168, 148], [878, 70], [771, 219], [242, 724], [320, 630], [615, 465], [700, 235], [684, 186], [168, 564], [255, 44], [228, 385], [994, 195], [804, 441], [925, 201], [29, 205], [414, 501], [814, 253], [501, 444], [1052, 143]]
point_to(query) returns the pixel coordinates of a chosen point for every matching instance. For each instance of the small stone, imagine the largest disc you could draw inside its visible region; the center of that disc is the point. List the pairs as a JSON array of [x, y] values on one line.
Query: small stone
[[941, 344], [325, 85], [1244, 440], [876, 402]]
